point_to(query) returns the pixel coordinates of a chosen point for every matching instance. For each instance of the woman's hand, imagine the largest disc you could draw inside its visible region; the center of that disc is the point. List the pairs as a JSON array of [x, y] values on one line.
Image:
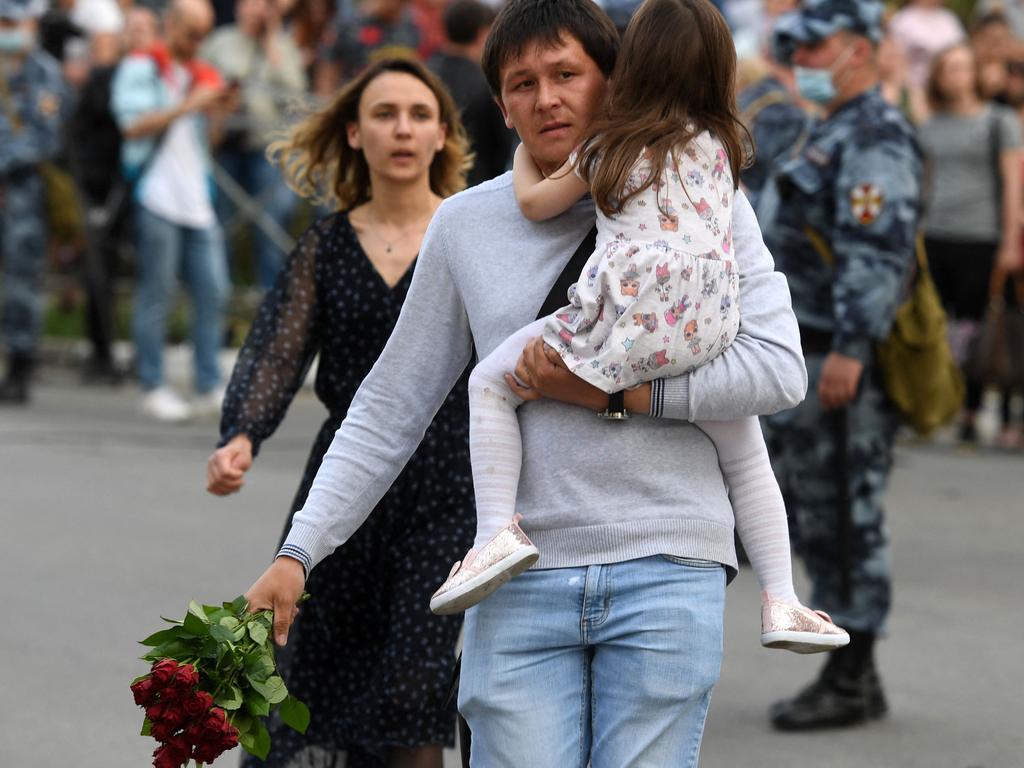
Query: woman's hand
[[1008, 258], [226, 467]]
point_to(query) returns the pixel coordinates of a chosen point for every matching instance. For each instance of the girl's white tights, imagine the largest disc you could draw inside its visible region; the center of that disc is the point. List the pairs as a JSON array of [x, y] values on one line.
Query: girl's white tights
[[496, 449]]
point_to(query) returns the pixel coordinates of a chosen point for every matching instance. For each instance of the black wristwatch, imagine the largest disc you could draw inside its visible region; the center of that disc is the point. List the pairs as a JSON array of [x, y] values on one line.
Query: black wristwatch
[[616, 409]]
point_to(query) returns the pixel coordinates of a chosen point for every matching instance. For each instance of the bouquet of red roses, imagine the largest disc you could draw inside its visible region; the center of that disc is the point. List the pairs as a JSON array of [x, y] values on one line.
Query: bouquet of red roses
[[213, 679]]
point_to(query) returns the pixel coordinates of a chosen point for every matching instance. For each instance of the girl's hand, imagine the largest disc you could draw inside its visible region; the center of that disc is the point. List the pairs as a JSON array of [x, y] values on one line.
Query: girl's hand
[[226, 467]]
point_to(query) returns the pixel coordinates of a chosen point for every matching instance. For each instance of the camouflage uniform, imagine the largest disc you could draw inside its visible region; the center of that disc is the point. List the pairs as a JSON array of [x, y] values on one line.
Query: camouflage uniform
[[857, 185], [776, 123], [36, 96]]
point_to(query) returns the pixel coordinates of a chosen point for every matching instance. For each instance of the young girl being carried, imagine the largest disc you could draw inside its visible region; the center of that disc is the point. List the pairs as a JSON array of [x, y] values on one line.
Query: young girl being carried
[[659, 297]]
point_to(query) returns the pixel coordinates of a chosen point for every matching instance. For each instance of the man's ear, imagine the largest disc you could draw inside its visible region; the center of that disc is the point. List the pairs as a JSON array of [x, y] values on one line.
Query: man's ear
[[352, 132], [504, 112]]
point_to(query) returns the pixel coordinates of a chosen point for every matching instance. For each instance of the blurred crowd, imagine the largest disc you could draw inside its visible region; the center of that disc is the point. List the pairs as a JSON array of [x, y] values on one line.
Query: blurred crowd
[[151, 120]]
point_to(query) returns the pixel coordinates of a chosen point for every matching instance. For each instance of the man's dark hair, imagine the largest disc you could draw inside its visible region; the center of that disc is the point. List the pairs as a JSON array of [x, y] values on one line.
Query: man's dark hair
[[525, 22], [464, 19]]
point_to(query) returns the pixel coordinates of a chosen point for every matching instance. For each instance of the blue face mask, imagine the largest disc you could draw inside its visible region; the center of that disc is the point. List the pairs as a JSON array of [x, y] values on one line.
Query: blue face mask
[[818, 85], [14, 41], [815, 84]]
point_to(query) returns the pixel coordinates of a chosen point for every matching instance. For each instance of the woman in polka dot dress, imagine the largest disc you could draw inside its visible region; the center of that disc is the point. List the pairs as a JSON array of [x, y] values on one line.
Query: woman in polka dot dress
[[367, 656]]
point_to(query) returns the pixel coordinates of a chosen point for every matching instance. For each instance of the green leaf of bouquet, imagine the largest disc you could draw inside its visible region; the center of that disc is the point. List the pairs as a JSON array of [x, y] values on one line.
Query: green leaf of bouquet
[[294, 714], [222, 634], [195, 625], [241, 721], [256, 741], [257, 705], [259, 669], [238, 605], [273, 689], [258, 633], [147, 727], [163, 636], [230, 699]]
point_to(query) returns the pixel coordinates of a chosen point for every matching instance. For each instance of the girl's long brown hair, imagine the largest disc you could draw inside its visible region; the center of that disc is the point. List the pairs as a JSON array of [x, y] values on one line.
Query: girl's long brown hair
[[675, 78], [318, 163]]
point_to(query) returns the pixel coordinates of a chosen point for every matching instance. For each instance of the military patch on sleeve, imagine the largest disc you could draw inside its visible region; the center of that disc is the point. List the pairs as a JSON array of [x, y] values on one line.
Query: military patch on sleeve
[[866, 203], [48, 104]]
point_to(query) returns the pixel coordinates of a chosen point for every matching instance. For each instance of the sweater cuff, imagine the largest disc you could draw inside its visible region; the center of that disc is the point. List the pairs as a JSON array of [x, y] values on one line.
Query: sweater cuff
[[859, 348], [670, 398], [306, 544]]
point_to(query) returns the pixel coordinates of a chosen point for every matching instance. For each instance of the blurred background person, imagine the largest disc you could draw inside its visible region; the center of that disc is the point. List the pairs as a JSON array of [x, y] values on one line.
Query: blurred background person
[[33, 98], [161, 105], [1012, 11], [921, 29], [973, 200], [363, 29], [264, 69], [310, 21], [467, 23], [368, 657]]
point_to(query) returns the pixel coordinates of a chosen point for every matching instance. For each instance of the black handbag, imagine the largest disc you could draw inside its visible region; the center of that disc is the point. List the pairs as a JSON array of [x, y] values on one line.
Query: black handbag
[[996, 353], [556, 298]]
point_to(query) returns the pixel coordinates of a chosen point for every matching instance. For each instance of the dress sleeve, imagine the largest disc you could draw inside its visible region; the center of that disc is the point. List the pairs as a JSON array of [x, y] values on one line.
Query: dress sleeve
[[281, 345]]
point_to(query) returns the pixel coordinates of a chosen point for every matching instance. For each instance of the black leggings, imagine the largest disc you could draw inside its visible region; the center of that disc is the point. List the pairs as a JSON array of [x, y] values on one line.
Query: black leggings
[[962, 272]]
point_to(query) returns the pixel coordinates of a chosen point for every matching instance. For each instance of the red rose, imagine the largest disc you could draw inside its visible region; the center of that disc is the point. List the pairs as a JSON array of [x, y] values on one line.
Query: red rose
[[206, 752], [144, 691], [172, 693], [187, 677], [163, 672], [155, 712], [175, 715], [163, 730], [198, 704], [174, 754]]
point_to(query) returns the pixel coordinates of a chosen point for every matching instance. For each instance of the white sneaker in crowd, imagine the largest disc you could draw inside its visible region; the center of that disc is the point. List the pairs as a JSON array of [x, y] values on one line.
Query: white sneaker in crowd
[[164, 404], [208, 404]]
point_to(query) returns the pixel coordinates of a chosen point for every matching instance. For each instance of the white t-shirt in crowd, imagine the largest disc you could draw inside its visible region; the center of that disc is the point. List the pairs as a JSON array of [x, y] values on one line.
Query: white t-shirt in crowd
[[175, 186]]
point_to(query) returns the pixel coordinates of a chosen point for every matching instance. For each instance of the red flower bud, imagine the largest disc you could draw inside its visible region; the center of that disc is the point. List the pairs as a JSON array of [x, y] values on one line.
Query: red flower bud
[[187, 677], [163, 671], [198, 704], [174, 754], [155, 711], [144, 691], [163, 730]]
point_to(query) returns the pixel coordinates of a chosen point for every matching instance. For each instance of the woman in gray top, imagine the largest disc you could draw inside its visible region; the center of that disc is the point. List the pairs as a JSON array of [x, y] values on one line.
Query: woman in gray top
[[973, 214]]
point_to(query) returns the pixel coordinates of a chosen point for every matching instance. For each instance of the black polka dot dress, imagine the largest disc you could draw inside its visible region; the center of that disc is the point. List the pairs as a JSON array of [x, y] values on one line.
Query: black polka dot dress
[[366, 654]]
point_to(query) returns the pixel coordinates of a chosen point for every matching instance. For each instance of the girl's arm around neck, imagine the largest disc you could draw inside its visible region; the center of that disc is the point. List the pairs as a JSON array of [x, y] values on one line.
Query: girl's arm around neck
[[543, 198]]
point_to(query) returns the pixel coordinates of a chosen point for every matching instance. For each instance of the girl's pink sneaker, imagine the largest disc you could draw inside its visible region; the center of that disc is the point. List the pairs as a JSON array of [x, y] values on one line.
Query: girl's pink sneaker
[[792, 627], [482, 571]]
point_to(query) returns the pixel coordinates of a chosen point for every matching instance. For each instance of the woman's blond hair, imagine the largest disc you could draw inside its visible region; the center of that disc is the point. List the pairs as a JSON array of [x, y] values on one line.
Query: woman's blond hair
[[319, 164]]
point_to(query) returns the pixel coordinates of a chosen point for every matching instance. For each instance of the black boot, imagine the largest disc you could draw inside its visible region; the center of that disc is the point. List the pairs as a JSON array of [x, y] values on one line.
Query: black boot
[[14, 388], [847, 692]]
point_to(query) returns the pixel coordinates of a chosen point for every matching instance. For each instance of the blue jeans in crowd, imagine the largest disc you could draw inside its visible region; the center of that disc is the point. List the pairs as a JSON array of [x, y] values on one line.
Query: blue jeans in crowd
[[166, 252], [608, 664], [263, 181]]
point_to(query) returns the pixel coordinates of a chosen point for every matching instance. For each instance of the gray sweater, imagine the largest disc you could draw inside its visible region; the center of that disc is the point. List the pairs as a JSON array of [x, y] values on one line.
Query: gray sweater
[[591, 491]]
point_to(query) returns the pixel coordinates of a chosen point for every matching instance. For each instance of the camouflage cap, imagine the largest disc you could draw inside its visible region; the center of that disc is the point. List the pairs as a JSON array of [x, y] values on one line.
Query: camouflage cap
[[19, 10], [817, 19]]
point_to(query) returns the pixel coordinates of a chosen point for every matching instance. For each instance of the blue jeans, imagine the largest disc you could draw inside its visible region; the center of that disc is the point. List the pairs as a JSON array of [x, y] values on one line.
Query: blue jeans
[[262, 180], [611, 664], [165, 252]]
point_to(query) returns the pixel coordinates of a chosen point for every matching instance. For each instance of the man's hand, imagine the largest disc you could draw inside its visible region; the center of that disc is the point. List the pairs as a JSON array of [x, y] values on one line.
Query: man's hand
[[279, 589], [1008, 258], [840, 376], [541, 372], [202, 99], [226, 467]]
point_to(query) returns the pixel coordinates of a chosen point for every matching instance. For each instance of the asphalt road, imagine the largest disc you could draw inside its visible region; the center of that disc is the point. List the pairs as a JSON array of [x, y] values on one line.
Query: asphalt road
[[106, 526]]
